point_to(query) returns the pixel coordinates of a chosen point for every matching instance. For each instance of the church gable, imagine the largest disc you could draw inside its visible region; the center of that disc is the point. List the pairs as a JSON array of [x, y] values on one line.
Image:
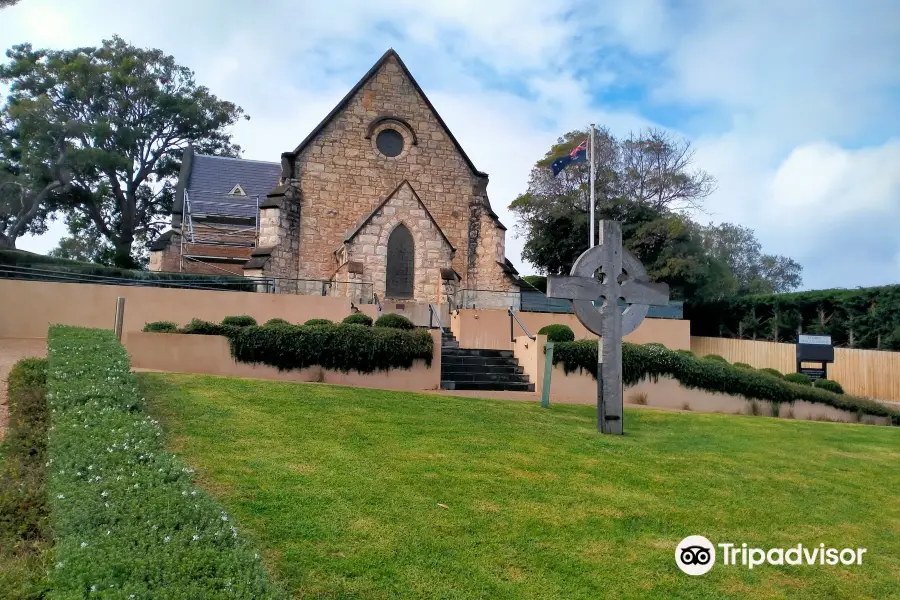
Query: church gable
[[399, 246], [392, 71]]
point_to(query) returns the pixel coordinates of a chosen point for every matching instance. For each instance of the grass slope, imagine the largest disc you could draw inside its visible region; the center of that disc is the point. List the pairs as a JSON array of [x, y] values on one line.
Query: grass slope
[[342, 488]]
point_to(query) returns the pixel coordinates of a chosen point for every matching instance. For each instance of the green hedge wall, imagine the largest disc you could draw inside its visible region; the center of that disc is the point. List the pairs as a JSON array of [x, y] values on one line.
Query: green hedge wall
[[344, 347], [860, 318], [25, 535], [642, 362], [128, 521], [18, 258]]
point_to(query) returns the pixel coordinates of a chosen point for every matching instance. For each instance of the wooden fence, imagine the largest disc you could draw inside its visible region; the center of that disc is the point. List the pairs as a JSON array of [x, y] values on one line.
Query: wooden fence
[[870, 373]]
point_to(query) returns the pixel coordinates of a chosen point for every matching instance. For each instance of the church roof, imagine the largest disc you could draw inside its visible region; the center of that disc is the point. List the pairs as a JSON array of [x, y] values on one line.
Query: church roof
[[209, 180], [371, 73], [352, 233]]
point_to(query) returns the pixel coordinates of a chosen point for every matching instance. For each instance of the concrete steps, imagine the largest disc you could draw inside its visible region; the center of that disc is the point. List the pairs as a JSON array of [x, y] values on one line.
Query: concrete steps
[[478, 369]]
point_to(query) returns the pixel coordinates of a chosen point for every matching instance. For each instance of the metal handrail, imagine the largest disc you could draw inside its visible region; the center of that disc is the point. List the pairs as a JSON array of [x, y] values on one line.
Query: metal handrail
[[452, 304], [512, 316], [432, 312]]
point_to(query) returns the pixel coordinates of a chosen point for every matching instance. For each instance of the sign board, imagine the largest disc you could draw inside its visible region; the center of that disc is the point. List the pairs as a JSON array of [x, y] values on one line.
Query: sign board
[[819, 340], [813, 372]]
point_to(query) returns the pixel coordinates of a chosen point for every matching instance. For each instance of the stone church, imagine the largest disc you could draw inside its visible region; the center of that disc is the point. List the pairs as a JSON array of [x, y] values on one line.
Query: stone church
[[379, 199]]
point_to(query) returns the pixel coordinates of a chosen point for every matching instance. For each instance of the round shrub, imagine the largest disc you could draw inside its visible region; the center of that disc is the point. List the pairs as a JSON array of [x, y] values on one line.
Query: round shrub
[[239, 321], [741, 365], [687, 353], [275, 322], [161, 327], [394, 321], [319, 322], [358, 319], [772, 372], [655, 345], [558, 333], [715, 358], [798, 378], [828, 385]]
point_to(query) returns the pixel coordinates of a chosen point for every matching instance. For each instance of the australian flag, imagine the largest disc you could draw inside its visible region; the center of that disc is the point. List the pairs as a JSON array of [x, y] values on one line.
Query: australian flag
[[577, 155]]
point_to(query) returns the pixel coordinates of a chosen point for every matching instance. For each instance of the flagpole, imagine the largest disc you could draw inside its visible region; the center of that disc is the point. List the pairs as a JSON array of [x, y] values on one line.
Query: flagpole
[[593, 219]]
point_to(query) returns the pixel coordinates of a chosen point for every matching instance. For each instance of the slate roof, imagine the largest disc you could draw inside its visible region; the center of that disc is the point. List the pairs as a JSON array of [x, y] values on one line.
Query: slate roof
[[213, 177]]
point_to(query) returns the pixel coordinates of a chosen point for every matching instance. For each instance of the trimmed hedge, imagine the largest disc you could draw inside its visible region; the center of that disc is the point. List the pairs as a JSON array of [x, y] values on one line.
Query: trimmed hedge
[[557, 333], [275, 322], [827, 384], [394, 321], [639, 363], [358, 319], [743, 365], [345, 347], [201, 327], [19, 258], [798, 378], [773, 372], [239, 321], [319, 322], [715, 358], [161, 327], [854, 318], [24, 514], [127, 519]]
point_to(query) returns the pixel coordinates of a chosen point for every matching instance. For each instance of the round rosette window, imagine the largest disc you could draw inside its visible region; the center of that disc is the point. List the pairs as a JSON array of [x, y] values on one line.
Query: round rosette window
[[389, 142]]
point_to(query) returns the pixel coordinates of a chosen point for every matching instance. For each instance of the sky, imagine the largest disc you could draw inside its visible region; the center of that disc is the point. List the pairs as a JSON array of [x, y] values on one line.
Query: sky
[[793, 105]]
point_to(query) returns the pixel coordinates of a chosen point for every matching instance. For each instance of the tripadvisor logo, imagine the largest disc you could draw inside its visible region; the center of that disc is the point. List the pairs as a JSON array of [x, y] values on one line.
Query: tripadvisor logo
[[696, 555]]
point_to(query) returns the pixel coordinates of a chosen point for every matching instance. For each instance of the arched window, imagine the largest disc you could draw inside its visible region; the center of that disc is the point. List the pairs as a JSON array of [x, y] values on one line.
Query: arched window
[[400, 270]]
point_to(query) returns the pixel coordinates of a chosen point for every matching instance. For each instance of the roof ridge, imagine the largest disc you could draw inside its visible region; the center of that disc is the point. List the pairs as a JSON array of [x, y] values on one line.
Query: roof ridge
[[246, 160]]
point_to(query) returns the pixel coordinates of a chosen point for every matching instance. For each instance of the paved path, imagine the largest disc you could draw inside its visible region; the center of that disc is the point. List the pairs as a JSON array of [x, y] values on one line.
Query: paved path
[[11, 351]]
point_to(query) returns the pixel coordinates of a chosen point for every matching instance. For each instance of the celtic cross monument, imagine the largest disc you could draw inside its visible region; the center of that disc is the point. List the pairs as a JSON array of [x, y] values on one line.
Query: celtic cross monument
[[614, 276]]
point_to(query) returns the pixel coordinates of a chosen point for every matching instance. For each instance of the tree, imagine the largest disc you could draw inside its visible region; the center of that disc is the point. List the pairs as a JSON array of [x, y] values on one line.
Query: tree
[[553, 214], [28, 187], [656, 170], [128, 113], [5, 3], [753, 271]]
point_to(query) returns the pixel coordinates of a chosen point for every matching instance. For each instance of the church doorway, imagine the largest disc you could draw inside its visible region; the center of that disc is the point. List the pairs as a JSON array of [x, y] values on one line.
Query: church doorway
[[400, 264]]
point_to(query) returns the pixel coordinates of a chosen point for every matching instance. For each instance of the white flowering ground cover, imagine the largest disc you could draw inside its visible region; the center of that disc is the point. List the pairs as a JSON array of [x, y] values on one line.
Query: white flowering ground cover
[[127, 520]]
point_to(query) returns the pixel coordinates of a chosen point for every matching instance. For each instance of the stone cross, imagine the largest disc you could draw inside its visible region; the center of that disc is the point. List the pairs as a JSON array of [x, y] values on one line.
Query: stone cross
[[613, 275]]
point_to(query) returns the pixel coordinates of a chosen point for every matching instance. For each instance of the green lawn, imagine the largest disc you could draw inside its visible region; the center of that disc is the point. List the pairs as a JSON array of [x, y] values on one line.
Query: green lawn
[[342, 490]]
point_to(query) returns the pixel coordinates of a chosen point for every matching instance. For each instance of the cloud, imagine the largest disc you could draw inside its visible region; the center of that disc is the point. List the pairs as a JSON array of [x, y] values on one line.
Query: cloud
[[792, 106]]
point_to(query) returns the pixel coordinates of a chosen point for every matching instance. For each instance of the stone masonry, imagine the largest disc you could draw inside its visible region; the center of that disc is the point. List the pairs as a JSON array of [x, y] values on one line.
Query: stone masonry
[[432, 250], [342, 177]]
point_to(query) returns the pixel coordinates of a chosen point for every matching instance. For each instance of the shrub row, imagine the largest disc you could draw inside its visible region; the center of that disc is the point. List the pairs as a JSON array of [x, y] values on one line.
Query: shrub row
[[393, 343], [651, 361], [856, 318], [24, 515], [345, 347], [19, 258], [128, 521]]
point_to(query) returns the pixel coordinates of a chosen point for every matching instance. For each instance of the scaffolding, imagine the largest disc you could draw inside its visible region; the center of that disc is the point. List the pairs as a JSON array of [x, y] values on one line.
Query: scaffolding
[[214, 219]]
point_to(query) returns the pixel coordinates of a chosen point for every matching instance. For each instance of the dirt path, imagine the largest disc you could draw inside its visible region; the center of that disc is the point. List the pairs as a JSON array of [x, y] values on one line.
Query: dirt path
[[11, 351]]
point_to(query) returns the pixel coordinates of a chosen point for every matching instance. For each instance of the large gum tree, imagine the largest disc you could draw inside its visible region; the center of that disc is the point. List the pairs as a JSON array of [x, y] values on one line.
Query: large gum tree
[[126, 115]]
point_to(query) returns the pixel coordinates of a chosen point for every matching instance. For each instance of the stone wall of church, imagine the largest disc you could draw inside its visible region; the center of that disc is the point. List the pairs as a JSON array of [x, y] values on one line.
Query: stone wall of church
[[279, 228], [343, 177], [432, 252]]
